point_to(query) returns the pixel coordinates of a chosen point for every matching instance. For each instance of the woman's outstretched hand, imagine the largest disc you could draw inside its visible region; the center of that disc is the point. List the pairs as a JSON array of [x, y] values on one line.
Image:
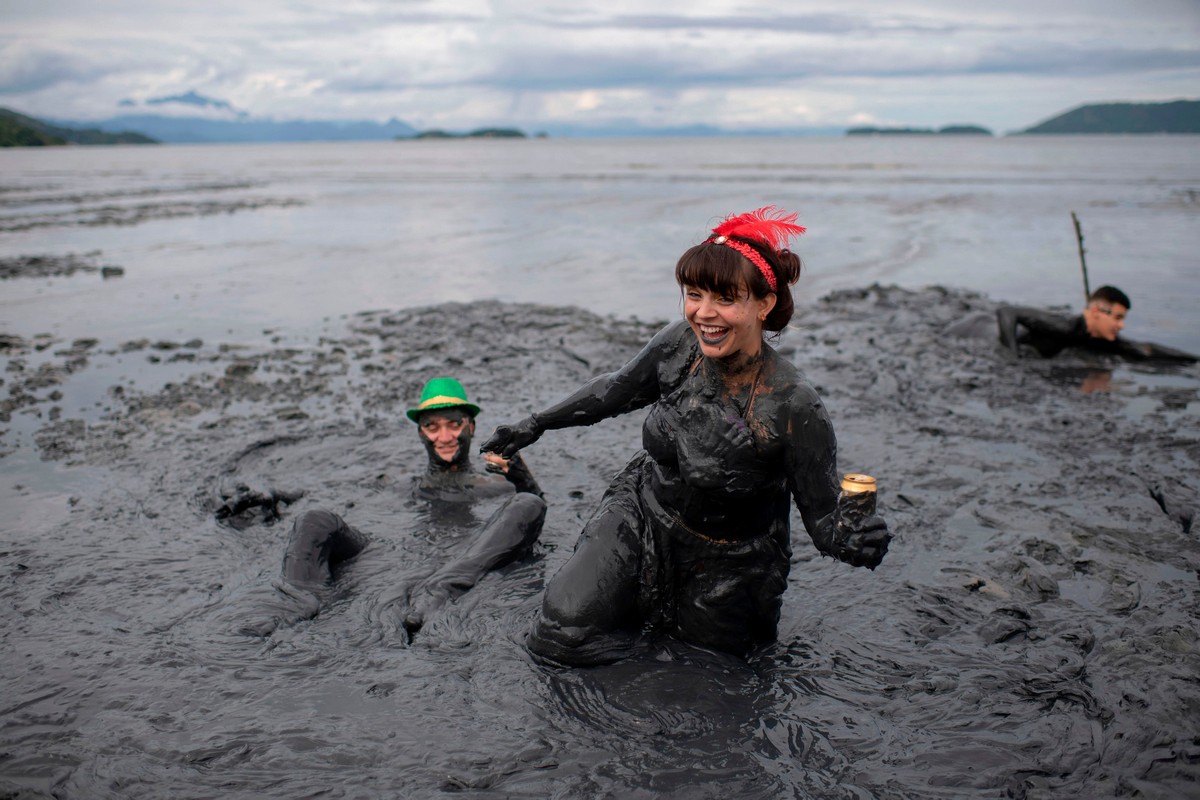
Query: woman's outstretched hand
[[508, 439]]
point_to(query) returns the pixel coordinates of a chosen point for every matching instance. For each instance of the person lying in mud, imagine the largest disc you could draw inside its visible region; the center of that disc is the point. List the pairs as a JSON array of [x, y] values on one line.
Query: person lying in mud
[[320, 541], [1096, 330], [692, 537]]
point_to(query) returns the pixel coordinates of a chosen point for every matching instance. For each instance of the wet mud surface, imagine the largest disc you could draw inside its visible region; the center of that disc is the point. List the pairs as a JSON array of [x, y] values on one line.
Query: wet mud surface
[[47, 266], [1032, 632], [24, 208]]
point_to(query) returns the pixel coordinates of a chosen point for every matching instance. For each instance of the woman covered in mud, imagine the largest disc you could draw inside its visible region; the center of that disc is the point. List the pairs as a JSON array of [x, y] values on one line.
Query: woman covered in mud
[[692, 538]]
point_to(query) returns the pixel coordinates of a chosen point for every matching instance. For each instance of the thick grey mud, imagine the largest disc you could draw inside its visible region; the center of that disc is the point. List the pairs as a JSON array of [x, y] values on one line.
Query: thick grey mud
[[1032, 632]]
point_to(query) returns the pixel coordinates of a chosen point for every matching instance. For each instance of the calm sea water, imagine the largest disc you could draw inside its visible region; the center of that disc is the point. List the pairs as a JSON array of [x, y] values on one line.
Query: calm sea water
[[599, 224]]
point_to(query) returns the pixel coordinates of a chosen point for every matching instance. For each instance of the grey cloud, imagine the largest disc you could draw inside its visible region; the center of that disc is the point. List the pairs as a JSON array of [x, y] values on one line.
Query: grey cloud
[[817, 24], [1088, 62], [563, 64], [669, 72], [644, 70], [523, 46], [31, 69], [545, 70], [192, 98], [347, 22], [555, 68]]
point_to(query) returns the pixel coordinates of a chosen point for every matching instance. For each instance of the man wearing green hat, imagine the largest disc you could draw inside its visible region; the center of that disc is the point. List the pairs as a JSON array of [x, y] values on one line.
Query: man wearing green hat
[[441, 432], [445, 421]]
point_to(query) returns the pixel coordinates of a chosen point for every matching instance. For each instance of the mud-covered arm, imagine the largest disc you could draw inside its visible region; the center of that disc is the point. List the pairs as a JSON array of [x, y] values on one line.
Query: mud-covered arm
[[1046, 331], [1007, 320], [515, 471], [811, 462], [633, 386], [1148, 351]]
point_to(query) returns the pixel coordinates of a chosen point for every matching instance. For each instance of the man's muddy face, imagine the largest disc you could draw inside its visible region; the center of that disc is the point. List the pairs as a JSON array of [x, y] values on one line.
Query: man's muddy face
[[447, 432], [1104, 320]]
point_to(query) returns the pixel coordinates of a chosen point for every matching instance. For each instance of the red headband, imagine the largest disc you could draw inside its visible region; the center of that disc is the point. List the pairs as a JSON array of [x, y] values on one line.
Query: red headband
[[764, 225]]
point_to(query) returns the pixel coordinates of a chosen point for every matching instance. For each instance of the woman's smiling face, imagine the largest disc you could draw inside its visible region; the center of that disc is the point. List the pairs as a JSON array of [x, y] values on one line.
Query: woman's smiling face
[[726, 325]]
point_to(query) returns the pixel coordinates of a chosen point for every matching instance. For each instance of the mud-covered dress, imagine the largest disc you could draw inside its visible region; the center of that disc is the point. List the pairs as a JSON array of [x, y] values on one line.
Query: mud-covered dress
[[692, 537]]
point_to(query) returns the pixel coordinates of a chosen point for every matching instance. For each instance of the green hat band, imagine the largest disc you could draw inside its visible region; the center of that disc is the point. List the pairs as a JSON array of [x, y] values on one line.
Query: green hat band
[[441, 401], [442, 393]]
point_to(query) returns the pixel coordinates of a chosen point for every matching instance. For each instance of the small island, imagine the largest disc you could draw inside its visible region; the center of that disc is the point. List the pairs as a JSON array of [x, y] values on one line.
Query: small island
[[479, 133], [949, 130]]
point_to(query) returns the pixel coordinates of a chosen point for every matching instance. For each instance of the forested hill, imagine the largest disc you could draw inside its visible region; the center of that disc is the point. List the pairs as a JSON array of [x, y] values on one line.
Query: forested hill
[[1179, 116], [18, 130]]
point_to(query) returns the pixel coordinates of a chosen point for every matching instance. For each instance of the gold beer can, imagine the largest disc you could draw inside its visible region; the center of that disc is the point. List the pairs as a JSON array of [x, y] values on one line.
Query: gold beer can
[[857, 500], [854, 483]]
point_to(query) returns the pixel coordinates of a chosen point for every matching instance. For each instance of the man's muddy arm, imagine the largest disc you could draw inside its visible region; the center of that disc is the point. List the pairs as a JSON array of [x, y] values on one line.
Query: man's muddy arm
[[514, 471], [1006, 319], [1148, 351], [521, 478], [1045, 331]]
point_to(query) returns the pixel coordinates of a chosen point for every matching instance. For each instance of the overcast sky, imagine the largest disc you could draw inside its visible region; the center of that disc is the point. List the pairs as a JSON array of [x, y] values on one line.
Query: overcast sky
[[460, 64]]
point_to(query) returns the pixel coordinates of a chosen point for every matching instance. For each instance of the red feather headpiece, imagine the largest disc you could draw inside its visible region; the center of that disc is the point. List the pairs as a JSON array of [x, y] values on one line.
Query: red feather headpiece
[[765, 225]]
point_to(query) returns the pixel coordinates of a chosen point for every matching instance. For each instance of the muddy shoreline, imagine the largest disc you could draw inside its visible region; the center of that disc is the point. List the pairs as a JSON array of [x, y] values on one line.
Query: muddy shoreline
[[1033, 631]]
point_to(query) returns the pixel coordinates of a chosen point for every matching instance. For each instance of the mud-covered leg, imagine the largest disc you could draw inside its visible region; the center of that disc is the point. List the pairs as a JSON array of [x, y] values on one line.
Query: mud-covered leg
[[319, 541], [590, 609], [507, 535]]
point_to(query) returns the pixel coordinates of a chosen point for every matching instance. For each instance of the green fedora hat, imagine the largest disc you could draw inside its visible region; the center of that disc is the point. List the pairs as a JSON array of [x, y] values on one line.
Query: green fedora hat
[[442, 393]]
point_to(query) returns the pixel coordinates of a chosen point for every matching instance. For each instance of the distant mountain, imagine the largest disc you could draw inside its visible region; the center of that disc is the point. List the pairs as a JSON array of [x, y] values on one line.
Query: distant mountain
[[1180, 116], [949, 130], [187, 130], [18, 130]]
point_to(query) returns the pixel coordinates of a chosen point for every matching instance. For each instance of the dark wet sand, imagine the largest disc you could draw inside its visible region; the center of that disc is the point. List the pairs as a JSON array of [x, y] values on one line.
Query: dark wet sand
[[1032, 633]]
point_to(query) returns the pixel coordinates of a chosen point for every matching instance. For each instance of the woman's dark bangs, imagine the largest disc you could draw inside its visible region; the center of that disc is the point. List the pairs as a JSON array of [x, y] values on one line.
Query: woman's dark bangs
[[713, 268]]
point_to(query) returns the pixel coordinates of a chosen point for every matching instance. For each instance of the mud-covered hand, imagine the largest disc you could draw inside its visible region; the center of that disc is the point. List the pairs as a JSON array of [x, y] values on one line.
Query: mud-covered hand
[[508, 439], [859, 544], [514, 471], [495, 464], [243, 498], [866, 544]]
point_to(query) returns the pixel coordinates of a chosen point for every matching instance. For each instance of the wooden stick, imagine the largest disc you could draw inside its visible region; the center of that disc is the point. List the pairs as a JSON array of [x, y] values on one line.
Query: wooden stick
[[1087, 291]]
